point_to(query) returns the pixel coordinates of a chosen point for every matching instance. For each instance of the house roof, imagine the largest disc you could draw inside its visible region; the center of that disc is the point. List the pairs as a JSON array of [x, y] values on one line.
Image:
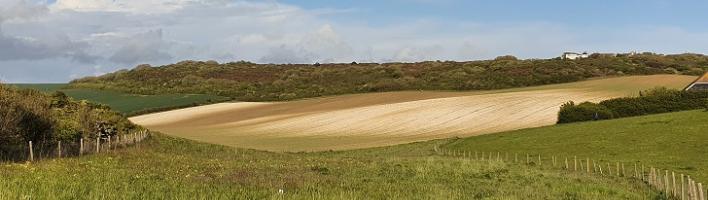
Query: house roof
[[699, 81]]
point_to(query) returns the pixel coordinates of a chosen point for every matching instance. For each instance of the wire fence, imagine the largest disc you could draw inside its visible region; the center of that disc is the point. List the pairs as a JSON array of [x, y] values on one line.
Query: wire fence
[[671, 184], [57, 149]]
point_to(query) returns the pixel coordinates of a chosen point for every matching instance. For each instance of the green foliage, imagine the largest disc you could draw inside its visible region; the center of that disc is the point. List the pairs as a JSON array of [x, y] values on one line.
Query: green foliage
[[658, 100], [268, 82], [586, 111], [29, 115]]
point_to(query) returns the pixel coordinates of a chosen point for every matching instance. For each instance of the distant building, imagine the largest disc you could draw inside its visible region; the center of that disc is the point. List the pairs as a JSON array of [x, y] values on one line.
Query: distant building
[[701, 84], [574, 56]]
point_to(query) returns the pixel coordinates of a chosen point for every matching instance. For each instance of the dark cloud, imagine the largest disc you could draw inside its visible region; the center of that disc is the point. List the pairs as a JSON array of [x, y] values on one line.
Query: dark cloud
[[144, 47], [25, 48]]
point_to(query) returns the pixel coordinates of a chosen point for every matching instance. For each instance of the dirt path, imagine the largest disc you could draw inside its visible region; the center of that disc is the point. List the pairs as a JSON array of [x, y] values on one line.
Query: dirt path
[[369, 120]]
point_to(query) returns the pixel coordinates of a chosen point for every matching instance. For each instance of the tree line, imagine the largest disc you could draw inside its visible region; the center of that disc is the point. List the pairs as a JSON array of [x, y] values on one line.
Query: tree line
[[247, 81]]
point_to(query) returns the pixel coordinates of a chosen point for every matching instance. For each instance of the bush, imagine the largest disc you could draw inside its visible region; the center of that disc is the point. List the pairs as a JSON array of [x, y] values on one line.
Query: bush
[[586, 111], [659, 100], [28, 115]]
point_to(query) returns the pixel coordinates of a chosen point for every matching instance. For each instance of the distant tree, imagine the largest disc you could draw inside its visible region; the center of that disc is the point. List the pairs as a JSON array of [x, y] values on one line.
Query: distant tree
[[142, 67], [506, 57]]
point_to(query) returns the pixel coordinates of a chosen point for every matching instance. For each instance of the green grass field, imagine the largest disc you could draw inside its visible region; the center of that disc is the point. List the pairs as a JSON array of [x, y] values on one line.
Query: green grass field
[[170, 168], [129, 103], [673, 141]]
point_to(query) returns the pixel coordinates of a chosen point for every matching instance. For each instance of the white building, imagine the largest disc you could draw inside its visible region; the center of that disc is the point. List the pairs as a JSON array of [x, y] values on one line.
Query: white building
[[574, 56]]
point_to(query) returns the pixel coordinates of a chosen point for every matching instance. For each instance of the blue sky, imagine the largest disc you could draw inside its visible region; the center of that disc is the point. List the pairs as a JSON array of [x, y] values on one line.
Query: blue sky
[[602, 13], [59, 40]]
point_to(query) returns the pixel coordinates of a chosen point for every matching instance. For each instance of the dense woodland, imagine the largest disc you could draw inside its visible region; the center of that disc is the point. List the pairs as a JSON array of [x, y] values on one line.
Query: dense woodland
[[269, 82], [29, 115]]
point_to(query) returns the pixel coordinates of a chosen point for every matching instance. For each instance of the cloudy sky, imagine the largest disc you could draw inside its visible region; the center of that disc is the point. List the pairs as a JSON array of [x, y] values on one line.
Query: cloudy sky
[[59, 40]]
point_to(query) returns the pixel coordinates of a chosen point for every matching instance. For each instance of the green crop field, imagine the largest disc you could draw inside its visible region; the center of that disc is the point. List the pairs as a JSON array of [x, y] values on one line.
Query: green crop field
[[170, 168], [129, 104], [673, 141]]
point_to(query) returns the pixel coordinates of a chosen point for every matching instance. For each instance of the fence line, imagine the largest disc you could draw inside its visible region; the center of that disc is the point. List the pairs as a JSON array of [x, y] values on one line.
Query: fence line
[[658, 179], [32, 151]]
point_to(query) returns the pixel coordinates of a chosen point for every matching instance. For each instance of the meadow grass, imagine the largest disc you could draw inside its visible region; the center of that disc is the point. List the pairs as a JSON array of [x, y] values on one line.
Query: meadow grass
[[164, 167], [129, 104], [673, 141]]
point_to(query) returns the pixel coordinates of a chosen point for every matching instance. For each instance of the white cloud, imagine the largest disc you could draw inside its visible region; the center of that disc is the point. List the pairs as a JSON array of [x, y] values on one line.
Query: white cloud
[[122, 33], [134, 6]]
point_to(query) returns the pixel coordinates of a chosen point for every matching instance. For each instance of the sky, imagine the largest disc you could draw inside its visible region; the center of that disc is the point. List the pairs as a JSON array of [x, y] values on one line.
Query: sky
[[47, 41]]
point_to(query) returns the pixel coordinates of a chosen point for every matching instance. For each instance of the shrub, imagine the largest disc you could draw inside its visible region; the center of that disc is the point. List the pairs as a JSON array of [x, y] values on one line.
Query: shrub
[[586, 111], [658, 100], [28, 115]]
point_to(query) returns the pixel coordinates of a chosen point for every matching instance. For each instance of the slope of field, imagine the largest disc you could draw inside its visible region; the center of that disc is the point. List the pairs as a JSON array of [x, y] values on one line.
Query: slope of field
[[169, 168], [368, 120], [673, 141], [129, 104]]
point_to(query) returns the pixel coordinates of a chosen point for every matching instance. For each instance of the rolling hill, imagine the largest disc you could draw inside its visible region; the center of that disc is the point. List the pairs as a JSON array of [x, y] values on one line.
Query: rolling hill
[[380, 119]]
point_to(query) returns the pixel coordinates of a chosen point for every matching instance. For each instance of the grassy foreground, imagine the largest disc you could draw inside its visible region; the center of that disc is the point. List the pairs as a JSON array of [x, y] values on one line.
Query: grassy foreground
[[673, 141], [170, 168], [129, 104]]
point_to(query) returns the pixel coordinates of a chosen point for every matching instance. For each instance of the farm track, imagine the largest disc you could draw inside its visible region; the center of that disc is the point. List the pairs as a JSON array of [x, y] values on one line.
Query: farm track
[[379, 119]]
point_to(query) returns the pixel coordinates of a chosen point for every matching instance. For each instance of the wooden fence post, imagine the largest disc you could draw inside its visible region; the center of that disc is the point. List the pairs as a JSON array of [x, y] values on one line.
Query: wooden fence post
[[31, 152], [667, 185], [81, 146], [587, 165], [683, 191], [59, 148], [575, 163], [609, 170], [600, 167], [109, 142], [98, 144], [673, 183], [539, 159], [554, 161], [636, 175], [624, 174], [700, 191], [566, 163]]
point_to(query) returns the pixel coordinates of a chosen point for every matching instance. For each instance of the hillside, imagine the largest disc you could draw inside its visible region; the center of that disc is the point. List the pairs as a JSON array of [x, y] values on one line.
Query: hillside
[[246, 81], [169, 168], [129, 104], [673, 141], [380, 119]]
